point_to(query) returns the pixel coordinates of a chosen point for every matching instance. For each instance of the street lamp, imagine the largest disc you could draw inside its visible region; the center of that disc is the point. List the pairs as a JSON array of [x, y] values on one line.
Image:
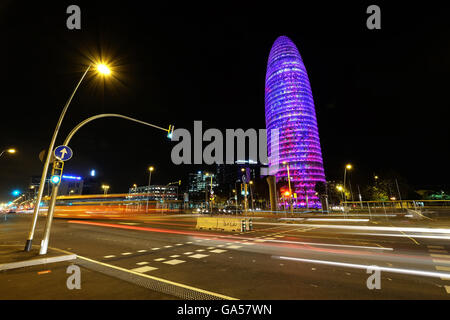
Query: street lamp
[[105, 189], [11, 151], [347, 167], [150, 170], [102, 70], [51, 206], [251, 195]]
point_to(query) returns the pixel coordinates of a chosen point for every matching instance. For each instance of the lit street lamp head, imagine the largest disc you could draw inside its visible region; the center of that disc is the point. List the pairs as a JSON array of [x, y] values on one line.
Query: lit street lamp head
[[103, 69], [348, 167], [11, 150], [151, 169]]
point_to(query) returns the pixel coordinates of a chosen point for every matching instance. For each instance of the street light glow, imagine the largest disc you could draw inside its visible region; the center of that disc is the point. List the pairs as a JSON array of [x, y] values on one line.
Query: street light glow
[[11, 150], [348, 167], [103, 69], [151, 168]]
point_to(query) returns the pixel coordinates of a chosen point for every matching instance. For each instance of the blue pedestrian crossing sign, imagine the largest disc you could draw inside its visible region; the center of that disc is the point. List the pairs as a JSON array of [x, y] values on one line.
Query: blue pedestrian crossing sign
[[63, 153]]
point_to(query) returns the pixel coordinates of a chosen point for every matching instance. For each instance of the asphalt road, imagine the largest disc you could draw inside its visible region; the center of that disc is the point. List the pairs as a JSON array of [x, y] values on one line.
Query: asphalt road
[[165, 257]]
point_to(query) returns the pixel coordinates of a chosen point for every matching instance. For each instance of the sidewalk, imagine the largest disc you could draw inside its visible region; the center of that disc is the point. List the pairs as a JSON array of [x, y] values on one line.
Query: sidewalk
[[13, 257]]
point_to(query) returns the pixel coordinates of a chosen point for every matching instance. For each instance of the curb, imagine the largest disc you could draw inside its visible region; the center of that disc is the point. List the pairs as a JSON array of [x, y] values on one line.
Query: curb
[[35, 262]]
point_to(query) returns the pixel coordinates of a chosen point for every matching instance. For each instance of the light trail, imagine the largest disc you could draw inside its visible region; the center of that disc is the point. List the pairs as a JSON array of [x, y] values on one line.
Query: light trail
[[220, 236], [365, 267], [365, 228], [404, 235]]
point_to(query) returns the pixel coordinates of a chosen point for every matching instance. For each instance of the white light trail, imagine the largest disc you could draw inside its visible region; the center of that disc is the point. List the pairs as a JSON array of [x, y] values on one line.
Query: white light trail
[[365, 267]]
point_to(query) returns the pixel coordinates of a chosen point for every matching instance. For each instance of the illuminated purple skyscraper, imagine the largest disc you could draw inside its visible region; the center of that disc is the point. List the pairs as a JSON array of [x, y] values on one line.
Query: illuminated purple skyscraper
[[290, 109]]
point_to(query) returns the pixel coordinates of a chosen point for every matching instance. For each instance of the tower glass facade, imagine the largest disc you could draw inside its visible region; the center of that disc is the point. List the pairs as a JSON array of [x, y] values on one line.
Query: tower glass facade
[[290, 109]]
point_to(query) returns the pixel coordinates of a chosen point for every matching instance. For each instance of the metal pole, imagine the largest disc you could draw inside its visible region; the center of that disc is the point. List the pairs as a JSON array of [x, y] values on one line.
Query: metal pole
[[48, 224], [245, 199], [37, 205], [251, 197], [211, 195], [399, 194], [360, 197], [344, 195], [148, 190]]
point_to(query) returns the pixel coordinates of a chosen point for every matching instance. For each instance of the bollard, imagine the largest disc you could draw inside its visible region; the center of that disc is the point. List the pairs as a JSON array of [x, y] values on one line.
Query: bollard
[[250, 225], [243, 226]]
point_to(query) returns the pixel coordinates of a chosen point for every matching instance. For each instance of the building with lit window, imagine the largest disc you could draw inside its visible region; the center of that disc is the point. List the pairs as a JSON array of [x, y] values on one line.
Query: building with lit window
[[289, 108], [153, 193]]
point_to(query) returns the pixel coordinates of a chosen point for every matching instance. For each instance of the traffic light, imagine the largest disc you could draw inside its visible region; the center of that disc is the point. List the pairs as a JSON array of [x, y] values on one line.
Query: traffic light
[[57, 172]]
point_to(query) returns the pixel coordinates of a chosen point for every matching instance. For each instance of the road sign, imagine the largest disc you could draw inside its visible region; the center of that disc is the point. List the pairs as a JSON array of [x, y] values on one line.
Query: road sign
[[63, 153]]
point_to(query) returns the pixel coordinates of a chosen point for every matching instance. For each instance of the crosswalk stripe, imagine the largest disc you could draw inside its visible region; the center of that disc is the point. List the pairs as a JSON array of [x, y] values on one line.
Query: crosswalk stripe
[[437, 251], [441, 268], [440, 256], [441, 261], [435, 247], [144, 269]]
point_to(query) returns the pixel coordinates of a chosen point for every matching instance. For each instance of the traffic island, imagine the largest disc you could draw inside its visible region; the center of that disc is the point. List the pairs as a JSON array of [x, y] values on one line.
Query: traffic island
[[14, 257]]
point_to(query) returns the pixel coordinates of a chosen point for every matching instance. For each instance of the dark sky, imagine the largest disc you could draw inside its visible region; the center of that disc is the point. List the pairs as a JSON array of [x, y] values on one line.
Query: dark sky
[[381, 96]]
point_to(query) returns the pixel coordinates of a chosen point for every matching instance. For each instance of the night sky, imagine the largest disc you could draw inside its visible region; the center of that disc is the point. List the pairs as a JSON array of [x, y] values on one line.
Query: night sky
[[381, 96]]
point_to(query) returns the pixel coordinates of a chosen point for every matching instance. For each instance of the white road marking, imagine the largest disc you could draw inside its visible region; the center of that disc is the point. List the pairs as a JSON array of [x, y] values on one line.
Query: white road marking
[[160, 259], [142, 250], [218, 251], [129, 223], [188, 253], [126, 253], [249, 243], [155, 248], [179, 244], [144, 269], [234, 247], [209, 248], [198, 256], [110, 256], [441, 261], [200, 250], [188, 242], [440, 256], [220, 245], [437, 251], [175, 256], [441, 268], [167, 246], [435, 247], [447, 288], [174, 261], [142, 263]]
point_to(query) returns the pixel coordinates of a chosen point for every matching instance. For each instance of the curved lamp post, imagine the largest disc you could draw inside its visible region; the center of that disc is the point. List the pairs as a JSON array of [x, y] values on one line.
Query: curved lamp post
[[51, 206], [102, 69]]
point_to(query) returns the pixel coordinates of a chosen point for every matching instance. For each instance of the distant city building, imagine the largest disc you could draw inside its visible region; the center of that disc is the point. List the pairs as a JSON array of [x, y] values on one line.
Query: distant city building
[[230, 175], [153, 193], [200, 181], [289, 108]]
